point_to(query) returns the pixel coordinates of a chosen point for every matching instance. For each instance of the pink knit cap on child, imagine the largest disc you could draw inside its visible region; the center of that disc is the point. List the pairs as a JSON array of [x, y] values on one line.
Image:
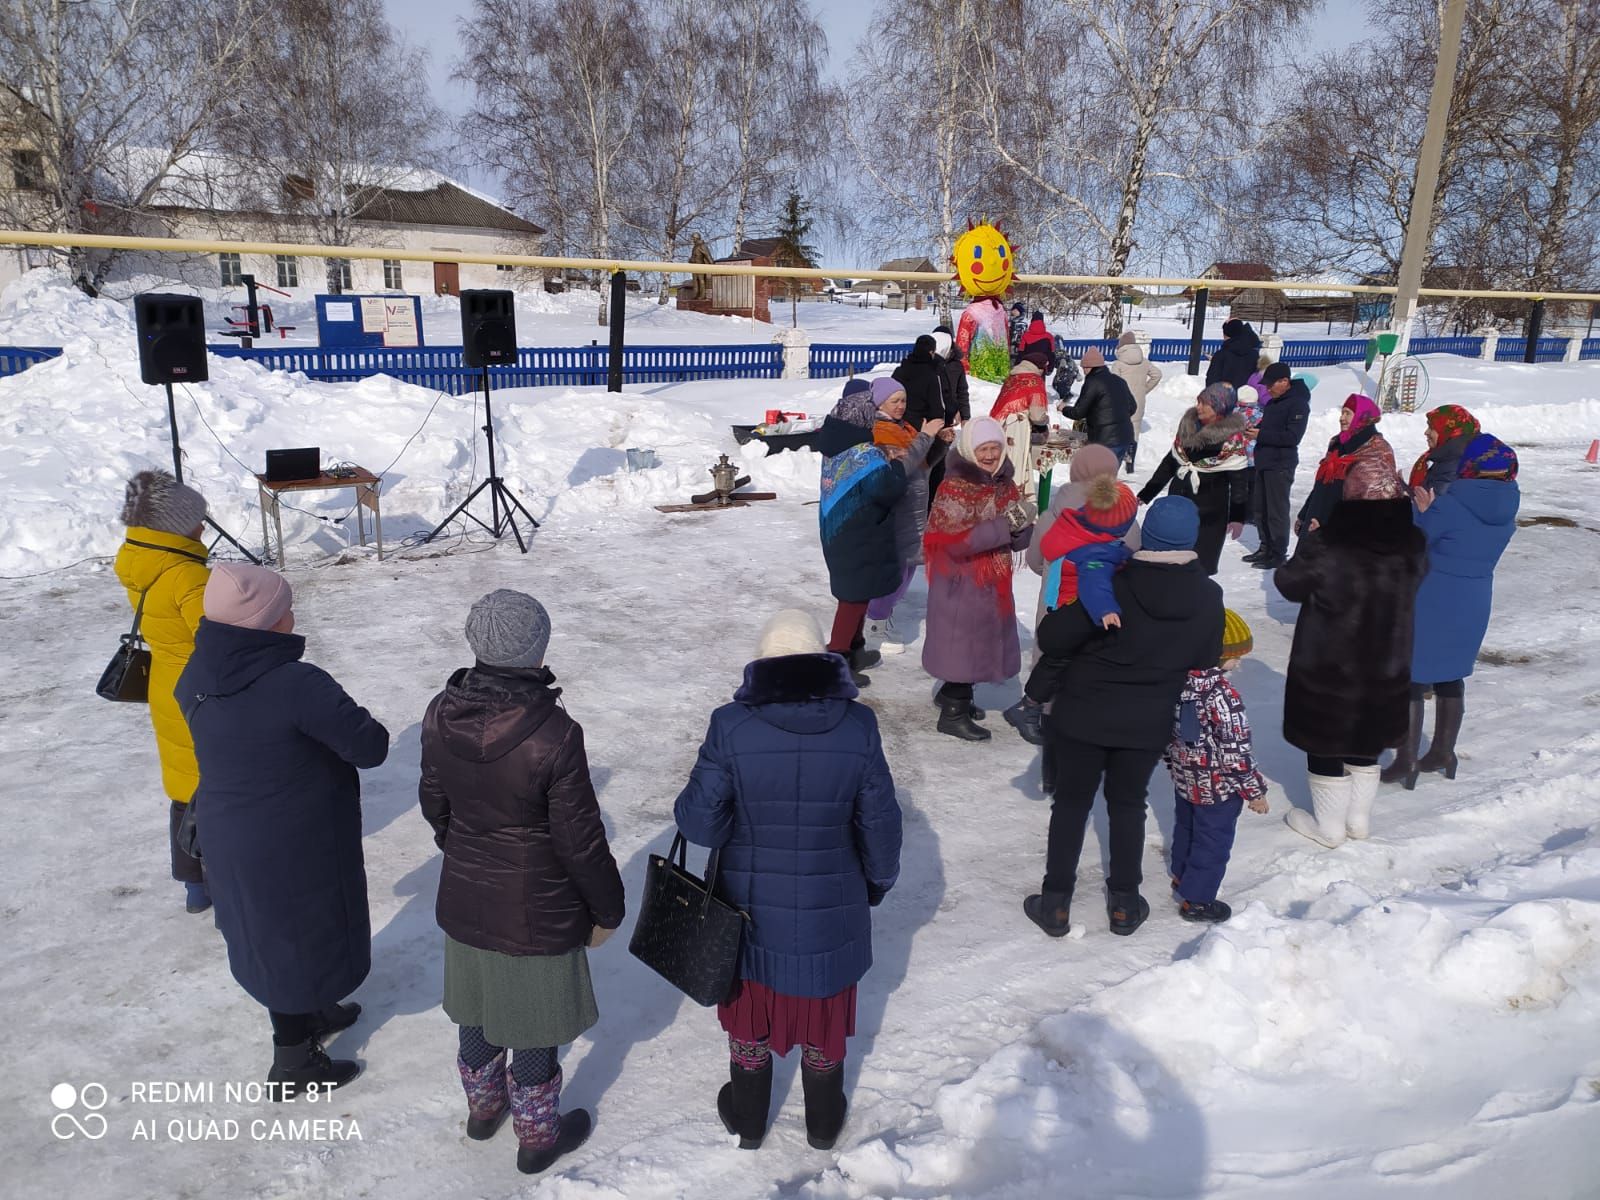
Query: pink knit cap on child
[[248, 596]]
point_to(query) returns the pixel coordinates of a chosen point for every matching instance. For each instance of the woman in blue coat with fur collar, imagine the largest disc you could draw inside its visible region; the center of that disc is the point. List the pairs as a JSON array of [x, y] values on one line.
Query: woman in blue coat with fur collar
[[1468, 529], [792, 786]]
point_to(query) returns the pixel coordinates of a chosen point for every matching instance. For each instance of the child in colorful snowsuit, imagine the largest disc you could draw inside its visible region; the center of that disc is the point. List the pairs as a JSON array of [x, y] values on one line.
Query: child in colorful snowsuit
[[1214, 775], [1083, 550]]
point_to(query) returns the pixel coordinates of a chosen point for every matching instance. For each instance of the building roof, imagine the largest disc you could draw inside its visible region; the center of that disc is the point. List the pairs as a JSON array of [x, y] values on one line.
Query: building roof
[[442, 204], [208, 182], [915, 263], [762, 247], [1237, 270]]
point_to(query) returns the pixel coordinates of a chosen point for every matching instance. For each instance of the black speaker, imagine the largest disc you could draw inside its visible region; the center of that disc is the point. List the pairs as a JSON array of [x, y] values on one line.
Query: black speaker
[[172, 338], [488, 327]]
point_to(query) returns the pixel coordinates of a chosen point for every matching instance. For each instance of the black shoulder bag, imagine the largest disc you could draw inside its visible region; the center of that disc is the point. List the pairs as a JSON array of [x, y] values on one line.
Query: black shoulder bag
[[684, 933], [127, 676]]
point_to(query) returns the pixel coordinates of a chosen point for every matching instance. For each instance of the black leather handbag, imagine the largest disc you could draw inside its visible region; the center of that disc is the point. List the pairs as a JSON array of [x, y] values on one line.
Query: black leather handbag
[[127, 675], [684, 933]]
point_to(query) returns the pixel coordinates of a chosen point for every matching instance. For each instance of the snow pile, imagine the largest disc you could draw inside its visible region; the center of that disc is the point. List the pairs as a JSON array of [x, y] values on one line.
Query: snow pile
[[1292, 1035]]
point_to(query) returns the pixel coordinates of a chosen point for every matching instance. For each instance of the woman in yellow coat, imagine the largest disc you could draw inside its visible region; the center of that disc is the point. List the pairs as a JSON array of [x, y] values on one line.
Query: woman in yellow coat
[[164, 560]]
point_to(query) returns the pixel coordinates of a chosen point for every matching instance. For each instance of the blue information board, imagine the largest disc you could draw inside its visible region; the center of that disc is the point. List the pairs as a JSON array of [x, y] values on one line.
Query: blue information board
[[389, 320]]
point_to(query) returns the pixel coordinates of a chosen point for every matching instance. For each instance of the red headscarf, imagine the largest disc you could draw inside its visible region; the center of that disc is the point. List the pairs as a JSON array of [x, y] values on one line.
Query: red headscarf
[[1448, 421]]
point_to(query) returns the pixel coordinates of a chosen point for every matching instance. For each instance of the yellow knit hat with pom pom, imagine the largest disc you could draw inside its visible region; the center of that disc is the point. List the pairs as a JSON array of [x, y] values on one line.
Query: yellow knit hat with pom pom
[[1236, 639]]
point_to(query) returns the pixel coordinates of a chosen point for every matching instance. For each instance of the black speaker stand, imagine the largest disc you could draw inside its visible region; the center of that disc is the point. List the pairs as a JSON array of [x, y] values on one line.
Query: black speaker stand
[[177, 470], [503, 503]]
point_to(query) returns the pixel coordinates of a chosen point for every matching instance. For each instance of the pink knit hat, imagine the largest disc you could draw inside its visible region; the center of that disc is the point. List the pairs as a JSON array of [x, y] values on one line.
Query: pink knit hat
[[248, 596]]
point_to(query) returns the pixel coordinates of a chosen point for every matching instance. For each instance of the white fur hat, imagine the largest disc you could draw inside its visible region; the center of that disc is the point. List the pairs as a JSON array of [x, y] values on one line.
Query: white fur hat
[[792, 631], [941, 344], [1249, 395]]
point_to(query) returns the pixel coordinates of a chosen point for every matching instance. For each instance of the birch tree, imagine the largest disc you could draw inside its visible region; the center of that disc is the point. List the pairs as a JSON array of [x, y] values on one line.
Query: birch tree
[[769, 54], [913, 124], [562, 93], [109, 96], [1336, 172], [1558, 132], [1136, 101], [331, 117], [683, 147]]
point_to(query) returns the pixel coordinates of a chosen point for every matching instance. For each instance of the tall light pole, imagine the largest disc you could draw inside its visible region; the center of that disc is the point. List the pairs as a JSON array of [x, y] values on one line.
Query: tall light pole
[[1419, 222]]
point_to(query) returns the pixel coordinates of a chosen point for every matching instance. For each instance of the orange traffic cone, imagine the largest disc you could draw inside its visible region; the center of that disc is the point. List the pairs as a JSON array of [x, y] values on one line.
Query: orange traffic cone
[[1594, 452]]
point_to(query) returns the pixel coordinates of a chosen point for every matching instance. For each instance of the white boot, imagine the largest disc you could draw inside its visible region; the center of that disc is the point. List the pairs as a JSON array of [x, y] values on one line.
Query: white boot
[[877, 635], [1363, 791], [1330, 801]]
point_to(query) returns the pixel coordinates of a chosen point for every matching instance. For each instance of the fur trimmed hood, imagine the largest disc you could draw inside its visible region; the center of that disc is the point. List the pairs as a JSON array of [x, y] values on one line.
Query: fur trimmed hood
[[796, 679], [1202, 441]]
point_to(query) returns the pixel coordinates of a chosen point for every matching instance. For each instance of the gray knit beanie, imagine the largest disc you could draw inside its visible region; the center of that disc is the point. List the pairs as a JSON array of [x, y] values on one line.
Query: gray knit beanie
[[508, 629], [156, 500]]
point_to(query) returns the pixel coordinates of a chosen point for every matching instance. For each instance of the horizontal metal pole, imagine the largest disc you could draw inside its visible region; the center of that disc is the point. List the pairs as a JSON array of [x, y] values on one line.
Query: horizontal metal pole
[[99, 241]]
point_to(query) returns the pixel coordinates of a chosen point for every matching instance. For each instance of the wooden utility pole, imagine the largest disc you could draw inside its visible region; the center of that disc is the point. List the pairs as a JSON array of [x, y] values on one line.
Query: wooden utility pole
[[1419, 222]]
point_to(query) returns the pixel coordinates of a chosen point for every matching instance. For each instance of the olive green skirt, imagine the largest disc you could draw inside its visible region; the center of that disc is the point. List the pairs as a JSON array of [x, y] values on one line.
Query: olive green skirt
[[520, 1001]]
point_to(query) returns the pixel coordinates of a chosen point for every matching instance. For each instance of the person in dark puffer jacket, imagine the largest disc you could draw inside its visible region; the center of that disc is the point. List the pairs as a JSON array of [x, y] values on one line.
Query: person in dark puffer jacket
[[861, 486], [792, 786], [923, 375], [528, 880], [1111, 720], [1237, 358], [1105, 405], [278, 814]]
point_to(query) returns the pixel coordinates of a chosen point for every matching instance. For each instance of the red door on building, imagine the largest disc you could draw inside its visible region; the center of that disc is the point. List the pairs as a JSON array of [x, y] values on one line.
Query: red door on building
[[447, 279]]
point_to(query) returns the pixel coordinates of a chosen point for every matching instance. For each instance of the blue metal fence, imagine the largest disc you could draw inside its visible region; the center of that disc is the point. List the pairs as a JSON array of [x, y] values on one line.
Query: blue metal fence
[[1467, 347], [441, 368], [16, 359], [1548, 349], [830, 360], [1177, 349]]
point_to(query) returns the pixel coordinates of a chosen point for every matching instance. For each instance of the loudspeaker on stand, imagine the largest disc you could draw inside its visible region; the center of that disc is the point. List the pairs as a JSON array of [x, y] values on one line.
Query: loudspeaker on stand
[[172, 338], [488, 328]]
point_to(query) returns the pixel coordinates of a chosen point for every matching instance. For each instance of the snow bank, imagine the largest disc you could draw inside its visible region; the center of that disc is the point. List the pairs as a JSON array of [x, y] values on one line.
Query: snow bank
[[1293, 1033]]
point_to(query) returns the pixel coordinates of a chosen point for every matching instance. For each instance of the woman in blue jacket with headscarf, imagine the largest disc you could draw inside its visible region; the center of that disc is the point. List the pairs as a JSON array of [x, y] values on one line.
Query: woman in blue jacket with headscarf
[[792, 786], [1467, 529]]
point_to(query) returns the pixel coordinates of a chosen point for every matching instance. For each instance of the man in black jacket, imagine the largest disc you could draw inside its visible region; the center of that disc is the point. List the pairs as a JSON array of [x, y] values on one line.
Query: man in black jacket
[[1235, 360], [1105, 405], [1112, 716], [1277, 439], [924, 379]]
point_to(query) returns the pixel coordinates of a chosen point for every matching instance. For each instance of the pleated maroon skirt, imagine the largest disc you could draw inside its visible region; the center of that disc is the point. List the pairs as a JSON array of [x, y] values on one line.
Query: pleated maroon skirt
[[756, 1013]]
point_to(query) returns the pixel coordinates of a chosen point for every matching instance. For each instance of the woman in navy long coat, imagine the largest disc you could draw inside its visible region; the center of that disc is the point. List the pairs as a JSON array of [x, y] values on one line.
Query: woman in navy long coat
[[1467, 529], [278, 812], [792, 786]]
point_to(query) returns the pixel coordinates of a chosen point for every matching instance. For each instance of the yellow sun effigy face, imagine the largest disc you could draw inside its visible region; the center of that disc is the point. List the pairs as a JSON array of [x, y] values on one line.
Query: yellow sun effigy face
[[983, 261]]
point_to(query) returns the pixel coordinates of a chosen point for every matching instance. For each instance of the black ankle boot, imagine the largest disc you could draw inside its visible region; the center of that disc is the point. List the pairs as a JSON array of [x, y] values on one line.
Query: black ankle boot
[[1028, 720], [1050, 911], [825, 1104], [294, 1068], [1126, 911], [744, 1102], [955, 719], [336, 1017]]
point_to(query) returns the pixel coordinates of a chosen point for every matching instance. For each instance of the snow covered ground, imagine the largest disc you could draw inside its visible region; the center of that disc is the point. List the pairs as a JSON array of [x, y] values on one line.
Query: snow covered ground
[[1411, 1016]]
